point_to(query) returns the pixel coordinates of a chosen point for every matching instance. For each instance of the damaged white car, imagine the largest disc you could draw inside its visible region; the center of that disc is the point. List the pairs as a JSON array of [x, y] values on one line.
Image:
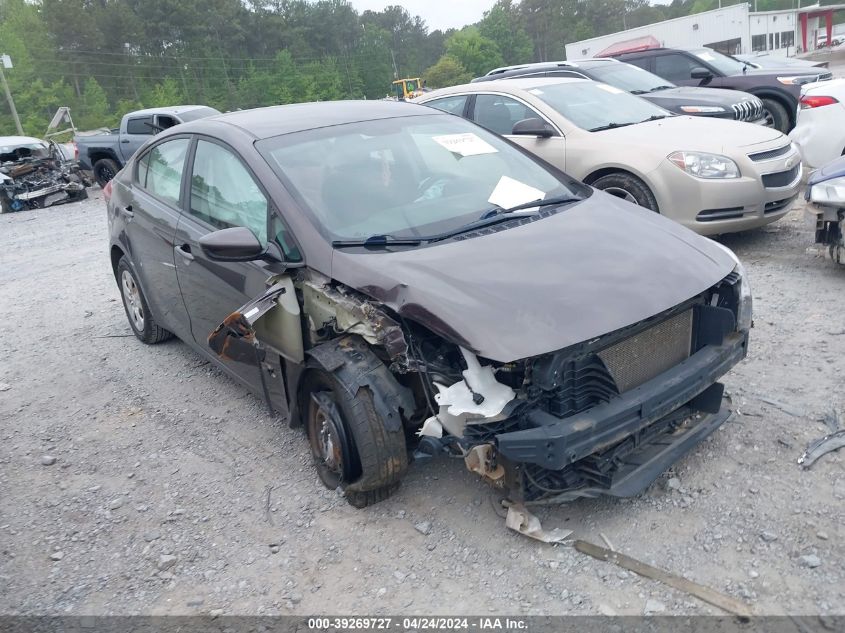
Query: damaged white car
[[407, 285], [35, 174]]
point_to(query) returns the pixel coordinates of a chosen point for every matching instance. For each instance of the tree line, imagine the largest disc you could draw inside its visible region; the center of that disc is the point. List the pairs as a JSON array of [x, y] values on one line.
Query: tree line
[[104, 58]]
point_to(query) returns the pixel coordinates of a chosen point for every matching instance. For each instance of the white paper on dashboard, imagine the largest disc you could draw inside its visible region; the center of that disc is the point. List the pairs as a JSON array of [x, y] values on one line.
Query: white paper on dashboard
[[510, 193], [465, 144]]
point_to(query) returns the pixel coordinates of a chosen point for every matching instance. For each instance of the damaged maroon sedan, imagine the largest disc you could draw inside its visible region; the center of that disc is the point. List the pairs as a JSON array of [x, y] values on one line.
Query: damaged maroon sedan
[[406, 285]]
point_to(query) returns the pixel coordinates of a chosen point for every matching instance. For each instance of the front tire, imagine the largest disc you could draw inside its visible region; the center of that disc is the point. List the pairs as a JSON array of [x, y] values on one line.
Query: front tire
[[628, 188], [104, 170], [137, 310], [776, 115], [351, 446]]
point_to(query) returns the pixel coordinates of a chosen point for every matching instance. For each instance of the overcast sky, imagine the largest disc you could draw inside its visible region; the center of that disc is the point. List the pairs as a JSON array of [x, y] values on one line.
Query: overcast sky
[[438, 14], [441, 14]]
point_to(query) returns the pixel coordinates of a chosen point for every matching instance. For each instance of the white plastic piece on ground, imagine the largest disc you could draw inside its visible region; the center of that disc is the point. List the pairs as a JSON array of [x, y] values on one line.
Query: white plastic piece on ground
[[521, 520], [431, 427], [478, 379]]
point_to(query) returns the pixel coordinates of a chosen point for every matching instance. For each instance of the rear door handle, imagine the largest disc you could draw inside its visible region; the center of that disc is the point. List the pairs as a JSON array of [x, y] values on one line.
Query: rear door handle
[[127, 212], [185, 251], [126, 140]]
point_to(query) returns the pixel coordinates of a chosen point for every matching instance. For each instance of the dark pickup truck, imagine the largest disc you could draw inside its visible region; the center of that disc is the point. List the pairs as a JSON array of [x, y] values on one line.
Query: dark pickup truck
[[105, 154], [778, 89], [721, 104]]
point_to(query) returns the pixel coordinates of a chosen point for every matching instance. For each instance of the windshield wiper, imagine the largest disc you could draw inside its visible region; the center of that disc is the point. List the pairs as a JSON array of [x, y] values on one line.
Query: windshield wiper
[[539, 202], [610, 126], [655, 117], [492, 216], [497, 215], [661, 88], [378, 241]]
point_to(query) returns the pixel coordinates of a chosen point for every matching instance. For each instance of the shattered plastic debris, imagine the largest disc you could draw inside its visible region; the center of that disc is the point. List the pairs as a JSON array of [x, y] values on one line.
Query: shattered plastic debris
[[521, 520], [823, 446]]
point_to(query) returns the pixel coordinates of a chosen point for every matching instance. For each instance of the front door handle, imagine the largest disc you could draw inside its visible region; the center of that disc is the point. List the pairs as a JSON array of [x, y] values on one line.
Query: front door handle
[[126, 140], [185, 251], [127, 212]]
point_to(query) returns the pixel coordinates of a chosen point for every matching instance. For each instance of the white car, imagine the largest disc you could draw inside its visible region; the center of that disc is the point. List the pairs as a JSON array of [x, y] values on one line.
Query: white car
[[820, 130], [711, 175]]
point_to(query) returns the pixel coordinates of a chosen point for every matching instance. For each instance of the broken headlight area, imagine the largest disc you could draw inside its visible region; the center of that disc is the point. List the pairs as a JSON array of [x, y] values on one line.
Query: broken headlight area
[[33, 182], [603, 417]]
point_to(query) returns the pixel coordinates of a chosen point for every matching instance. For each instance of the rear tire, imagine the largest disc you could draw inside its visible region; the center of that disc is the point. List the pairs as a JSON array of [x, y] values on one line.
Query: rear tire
[[628, 188], [371, 461], [776, 115], [104, 170], [137, 310]]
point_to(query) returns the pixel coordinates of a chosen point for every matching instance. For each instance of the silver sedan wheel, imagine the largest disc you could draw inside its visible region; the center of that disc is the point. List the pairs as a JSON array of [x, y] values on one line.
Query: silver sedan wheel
[[621, 193], [132, 300]]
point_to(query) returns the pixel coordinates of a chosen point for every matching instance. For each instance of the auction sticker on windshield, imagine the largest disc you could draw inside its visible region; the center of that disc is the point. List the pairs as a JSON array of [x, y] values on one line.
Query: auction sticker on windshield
[[510, 193], [467, 144]]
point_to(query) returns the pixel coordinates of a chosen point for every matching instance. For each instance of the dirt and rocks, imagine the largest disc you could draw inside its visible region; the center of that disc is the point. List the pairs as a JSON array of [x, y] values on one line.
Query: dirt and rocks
[[140, 480]]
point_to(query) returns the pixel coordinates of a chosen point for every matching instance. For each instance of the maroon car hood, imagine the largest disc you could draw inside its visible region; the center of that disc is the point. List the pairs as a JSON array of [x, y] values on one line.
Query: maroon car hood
[[592, 268]]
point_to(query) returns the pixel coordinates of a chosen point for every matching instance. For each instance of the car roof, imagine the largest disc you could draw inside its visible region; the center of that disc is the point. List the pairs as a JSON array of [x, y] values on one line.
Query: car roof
[[574, 63], [19, 140], [167, 110], [503, 85], [273, 121]]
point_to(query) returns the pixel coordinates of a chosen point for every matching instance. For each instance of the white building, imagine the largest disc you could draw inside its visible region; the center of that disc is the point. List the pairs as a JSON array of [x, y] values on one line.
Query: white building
[[733, 29]]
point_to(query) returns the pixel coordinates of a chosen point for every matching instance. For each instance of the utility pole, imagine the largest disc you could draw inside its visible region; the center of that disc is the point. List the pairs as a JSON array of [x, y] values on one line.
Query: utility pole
[[7, 63], [393, 59]]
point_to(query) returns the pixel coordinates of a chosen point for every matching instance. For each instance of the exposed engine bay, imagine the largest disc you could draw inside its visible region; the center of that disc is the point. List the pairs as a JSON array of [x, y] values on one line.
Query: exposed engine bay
[[35, 174], [604, 417]]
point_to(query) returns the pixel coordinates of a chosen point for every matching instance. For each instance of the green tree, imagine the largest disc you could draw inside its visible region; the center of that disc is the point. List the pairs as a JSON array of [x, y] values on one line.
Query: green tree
[[502, 24], [94, 110], [164, 93], [473, 51], [446, 72]]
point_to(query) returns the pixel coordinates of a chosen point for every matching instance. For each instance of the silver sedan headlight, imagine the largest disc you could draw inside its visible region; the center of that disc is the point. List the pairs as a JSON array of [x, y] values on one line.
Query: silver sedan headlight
[[830, 192], [703, 165]]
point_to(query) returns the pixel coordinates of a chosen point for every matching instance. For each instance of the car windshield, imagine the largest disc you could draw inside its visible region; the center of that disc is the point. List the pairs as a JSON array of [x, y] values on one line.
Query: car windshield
[[406, 177], [631, 78], [724, 64], [594, 106], [17, 151]]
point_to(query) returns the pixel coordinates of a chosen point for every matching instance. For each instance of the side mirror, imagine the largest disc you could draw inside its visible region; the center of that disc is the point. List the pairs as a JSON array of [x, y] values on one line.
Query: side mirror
[[699, 72], [236, 244], [533, 127]]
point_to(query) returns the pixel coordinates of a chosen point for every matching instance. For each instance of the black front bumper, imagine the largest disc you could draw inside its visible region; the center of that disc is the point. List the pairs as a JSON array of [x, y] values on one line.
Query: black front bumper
[[556, 443]]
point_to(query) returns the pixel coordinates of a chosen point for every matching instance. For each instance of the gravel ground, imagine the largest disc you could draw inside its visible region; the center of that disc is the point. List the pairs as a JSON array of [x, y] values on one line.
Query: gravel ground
[[141, 480]]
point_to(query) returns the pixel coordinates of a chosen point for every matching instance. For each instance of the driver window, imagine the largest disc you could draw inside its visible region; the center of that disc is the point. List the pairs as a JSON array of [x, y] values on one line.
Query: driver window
[[674, 67], [141, 126], [499, 114], [223, 192]]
